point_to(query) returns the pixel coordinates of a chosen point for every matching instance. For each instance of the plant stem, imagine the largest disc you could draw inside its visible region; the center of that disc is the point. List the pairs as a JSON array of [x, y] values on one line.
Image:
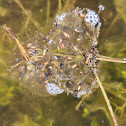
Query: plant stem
[[16, 65], [27, 13], [59, 5], [106, 99], [48, 10], [25, 25], [58, 54], [21, 48], [78, 105], [109, 59], [112, 24], [2, 39]]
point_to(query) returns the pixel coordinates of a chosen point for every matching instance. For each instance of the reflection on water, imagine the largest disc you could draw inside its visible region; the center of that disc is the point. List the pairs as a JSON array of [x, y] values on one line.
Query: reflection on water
[[18, 106]]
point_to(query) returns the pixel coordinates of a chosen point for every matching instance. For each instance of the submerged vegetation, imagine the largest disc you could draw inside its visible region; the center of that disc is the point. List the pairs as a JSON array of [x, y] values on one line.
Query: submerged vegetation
[[33, 104]]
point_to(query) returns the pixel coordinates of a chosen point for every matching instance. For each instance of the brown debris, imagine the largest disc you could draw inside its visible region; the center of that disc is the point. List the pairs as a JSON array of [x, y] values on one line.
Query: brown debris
[[21, 48]]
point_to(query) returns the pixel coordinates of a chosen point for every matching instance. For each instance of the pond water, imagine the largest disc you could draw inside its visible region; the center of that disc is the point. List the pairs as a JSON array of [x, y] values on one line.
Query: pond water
[[22, 104]]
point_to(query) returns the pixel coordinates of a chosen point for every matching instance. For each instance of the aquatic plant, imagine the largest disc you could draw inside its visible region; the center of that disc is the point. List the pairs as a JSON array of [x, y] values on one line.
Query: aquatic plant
[[36, 58], [90, 58]]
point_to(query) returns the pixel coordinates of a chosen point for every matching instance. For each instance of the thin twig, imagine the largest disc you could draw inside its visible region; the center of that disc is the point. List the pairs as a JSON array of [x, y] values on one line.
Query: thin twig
[[67, 3], [22, 7], [16, 65], [79, 104], [21, 48], [26, 24], [48, 10], [59, 5], [106, 98], [111, 60], [36, 58], [112, 24]]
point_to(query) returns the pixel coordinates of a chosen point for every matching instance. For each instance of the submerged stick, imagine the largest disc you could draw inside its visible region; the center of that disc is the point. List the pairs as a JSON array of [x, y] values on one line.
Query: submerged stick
[[21, 48], [79, 104], [16, 65], [59, 5], [106, 98], [109, 59], [112, 60], [48, 10]]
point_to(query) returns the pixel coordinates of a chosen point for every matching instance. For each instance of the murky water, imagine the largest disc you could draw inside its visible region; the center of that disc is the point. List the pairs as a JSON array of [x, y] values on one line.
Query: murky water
[[24, 105]]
